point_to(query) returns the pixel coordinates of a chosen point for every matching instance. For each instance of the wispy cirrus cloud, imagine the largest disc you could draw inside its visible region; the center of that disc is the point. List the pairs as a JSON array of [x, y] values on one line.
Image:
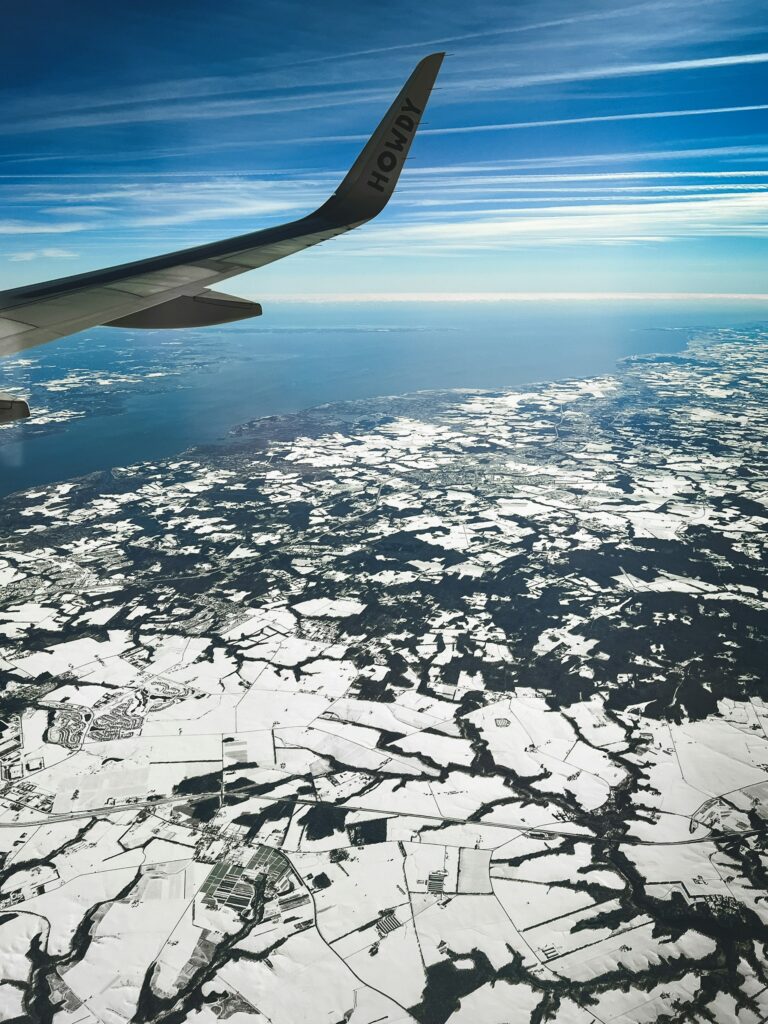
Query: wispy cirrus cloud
[[567, 160], [634, 26], [272, 78], [554, 127], [493, 204], [191, 99], [38, 254], [629, 69], [555, 122], [20, 227], [235, 209], [135, 205], [184, 110], [605, 15], [649, 175], [559, 122], [567, 225]]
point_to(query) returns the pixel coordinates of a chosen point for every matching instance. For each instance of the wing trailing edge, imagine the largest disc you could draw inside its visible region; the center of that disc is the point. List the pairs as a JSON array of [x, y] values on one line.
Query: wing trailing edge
[[203, 310]]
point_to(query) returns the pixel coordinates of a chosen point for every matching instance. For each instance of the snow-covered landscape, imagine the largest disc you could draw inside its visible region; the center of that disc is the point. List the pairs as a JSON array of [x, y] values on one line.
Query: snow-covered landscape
[[447, 707]]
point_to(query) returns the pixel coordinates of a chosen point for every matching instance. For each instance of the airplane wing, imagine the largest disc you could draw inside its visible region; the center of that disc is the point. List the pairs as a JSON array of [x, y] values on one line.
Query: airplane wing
[[174, 290]]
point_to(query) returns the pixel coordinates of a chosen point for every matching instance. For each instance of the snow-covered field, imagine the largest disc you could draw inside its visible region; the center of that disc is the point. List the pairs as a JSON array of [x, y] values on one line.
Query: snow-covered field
[[442, 708]]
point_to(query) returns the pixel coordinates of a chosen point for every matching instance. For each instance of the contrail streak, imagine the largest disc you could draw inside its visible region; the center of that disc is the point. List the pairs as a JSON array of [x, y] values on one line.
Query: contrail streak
[[649, 115]]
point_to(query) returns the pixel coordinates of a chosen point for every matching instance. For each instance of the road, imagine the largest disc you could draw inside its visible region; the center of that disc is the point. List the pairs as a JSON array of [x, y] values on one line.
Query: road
[[99, 812]]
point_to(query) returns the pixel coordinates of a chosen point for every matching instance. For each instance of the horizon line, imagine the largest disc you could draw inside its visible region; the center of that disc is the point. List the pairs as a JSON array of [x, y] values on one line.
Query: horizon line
[[349, 297]]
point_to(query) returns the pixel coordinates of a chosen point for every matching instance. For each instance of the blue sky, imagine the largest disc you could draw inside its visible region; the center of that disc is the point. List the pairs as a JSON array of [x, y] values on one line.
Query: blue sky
[[585, 148]]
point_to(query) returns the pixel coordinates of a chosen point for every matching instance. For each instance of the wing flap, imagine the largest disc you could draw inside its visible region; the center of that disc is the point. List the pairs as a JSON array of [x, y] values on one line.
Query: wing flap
[[10, 328], [203, 310]]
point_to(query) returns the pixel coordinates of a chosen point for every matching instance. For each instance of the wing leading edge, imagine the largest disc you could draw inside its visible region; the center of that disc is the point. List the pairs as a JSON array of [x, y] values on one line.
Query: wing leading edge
[[173, 290]]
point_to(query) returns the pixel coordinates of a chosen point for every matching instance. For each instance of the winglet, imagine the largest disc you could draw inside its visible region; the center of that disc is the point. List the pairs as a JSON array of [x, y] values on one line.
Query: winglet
[[371, 180]]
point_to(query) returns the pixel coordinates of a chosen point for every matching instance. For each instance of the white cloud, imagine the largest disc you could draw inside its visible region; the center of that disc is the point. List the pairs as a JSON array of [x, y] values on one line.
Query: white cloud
[[619, 71], [499, 31], [252, 95], [601, 223], [21, 227], [572, 160], [234, 106], [557, 122], [236, 208], [650, 115], [48, 254], [160, 203]]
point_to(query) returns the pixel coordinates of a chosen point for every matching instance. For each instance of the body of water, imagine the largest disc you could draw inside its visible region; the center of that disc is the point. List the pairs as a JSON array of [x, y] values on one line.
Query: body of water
[[124, 397]]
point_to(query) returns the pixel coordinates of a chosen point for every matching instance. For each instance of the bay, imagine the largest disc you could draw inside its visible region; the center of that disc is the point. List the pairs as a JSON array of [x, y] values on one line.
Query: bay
[[108, 398]]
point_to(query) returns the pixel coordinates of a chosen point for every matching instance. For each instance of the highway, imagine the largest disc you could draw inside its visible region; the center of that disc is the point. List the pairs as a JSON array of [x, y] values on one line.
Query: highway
[[100, 812]]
